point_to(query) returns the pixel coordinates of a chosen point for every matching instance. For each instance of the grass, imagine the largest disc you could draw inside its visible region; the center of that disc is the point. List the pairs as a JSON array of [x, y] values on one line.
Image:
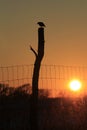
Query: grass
[[53, 113]]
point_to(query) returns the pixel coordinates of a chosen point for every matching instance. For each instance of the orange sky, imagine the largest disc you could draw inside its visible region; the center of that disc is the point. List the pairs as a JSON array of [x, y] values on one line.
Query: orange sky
[[65, 32]]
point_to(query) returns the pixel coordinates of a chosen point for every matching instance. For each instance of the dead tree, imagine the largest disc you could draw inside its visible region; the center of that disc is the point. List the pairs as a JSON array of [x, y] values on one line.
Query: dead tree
[[35, 79]]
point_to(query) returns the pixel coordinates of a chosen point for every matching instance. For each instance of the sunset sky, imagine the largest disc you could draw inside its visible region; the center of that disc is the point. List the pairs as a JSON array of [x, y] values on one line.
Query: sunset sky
[[65, 32]]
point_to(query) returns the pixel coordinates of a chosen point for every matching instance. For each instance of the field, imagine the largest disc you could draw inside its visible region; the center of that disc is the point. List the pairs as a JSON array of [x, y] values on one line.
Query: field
[[53, 113]]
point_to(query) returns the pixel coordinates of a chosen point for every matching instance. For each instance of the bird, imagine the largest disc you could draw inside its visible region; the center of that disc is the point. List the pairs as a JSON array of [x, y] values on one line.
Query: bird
[[41, 24]]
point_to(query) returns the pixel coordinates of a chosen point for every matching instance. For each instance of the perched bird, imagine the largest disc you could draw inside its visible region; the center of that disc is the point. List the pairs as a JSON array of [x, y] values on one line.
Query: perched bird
[[41, 24]]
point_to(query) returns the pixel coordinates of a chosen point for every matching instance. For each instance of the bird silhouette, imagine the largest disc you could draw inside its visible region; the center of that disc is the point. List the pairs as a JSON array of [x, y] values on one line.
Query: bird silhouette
[[41, 24]]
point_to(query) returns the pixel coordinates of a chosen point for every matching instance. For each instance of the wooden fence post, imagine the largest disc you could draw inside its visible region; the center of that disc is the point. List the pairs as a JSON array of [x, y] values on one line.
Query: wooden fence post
[[35, 79]]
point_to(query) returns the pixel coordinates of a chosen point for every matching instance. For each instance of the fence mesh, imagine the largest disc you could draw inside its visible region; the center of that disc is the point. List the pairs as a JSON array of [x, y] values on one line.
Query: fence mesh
[[50, 75]]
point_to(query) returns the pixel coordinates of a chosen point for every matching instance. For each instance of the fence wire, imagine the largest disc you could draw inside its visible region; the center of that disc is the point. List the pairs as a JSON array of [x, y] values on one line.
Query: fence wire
[[50, 75]]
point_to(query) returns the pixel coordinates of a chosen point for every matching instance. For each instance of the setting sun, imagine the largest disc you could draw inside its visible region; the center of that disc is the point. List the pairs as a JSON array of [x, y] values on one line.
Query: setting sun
[[75, 85]]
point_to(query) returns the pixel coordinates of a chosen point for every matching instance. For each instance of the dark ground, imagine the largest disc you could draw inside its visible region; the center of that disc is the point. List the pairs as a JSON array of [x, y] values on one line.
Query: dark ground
[[53, 113]]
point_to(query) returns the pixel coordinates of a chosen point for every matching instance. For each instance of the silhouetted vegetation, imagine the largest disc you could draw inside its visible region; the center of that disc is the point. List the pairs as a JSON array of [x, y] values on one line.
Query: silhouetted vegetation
[[53, 113]]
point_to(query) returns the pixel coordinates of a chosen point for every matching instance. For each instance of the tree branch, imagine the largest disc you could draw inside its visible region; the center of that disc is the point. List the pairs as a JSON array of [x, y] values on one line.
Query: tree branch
[[33, 50]]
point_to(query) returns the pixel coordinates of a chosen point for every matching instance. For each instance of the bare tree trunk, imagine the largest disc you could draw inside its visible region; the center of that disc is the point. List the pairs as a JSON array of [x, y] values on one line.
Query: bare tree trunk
[[35, 79]]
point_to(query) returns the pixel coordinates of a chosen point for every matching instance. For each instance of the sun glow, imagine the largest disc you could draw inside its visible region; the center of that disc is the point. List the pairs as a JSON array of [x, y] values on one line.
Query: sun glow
[[75, 85]]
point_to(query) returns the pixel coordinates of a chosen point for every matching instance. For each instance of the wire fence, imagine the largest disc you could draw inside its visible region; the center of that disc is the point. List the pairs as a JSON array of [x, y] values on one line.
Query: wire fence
[[16, 75], [50, 75]]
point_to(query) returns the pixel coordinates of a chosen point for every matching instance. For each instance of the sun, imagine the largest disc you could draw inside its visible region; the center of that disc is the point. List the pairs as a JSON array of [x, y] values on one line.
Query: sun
[[75, 85]]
